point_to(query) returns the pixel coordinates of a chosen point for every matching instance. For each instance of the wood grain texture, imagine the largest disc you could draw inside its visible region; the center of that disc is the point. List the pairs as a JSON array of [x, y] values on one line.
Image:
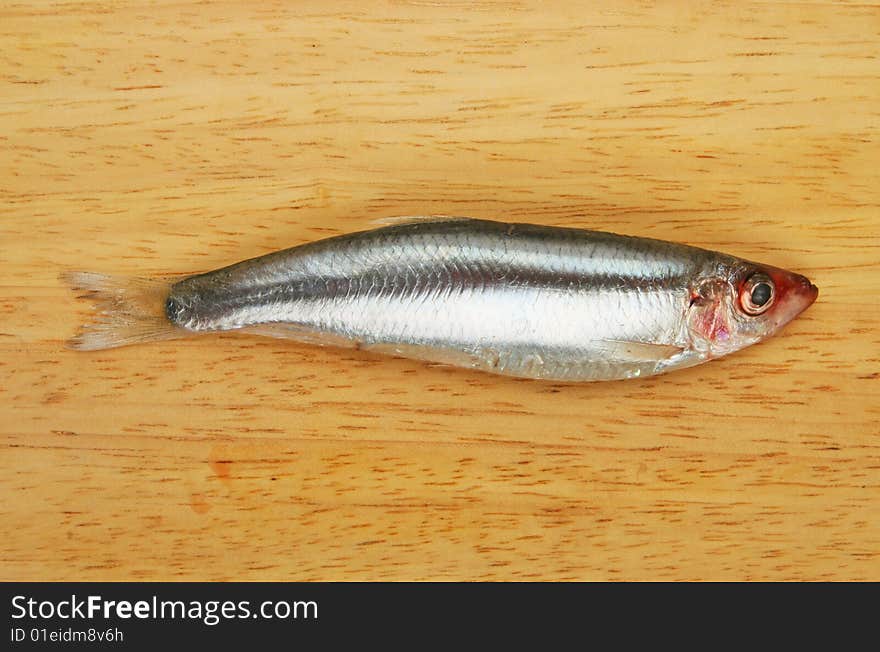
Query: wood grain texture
[[166, 137]]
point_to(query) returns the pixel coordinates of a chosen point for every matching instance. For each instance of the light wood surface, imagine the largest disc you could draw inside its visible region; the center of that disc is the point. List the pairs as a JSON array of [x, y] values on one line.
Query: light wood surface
[[178, 137]]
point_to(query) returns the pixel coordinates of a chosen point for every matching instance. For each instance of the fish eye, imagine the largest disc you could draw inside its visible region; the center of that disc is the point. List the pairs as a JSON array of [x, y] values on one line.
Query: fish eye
[[757, 294]]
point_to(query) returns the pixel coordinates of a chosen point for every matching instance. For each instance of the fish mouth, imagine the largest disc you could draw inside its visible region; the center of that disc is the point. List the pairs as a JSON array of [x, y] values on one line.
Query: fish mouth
[[805, 292], [796, 293], [814, 294]]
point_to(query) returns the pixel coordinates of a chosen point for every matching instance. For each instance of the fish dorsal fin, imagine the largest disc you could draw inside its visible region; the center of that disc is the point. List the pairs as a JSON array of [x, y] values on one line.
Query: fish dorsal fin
[[417, 219]]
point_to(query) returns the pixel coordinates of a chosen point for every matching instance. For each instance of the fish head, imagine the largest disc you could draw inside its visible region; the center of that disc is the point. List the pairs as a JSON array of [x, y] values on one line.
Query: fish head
[[738, 303]]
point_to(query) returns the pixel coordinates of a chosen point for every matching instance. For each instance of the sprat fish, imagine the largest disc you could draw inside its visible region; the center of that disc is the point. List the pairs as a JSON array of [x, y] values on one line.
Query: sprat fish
[[521, 300]]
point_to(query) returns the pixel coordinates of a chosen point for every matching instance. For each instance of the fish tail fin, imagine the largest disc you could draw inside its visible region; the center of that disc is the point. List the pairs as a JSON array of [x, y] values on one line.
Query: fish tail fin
[[128, 310]]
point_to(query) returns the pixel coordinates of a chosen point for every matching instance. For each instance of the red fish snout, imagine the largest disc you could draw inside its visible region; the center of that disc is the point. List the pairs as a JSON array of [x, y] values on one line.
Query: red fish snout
[[794, 294]]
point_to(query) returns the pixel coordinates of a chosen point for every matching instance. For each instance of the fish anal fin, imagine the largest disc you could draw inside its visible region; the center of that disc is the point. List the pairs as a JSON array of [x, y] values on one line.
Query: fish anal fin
[[486, 359], [300, 333]]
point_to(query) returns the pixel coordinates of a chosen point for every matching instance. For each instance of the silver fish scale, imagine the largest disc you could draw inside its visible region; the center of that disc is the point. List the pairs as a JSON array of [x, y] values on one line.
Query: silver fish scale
[[522, 300]]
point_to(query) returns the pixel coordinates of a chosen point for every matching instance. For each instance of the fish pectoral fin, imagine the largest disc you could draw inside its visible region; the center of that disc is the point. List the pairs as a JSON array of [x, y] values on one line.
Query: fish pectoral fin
[[629, 351], [300, 333]]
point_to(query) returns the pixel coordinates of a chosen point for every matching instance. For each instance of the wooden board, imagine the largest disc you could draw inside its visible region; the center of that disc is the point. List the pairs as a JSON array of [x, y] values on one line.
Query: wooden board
[[166, 137]]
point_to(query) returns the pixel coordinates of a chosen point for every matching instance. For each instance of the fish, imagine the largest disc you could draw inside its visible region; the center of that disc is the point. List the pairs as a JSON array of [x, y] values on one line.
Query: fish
[[523, 300]]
